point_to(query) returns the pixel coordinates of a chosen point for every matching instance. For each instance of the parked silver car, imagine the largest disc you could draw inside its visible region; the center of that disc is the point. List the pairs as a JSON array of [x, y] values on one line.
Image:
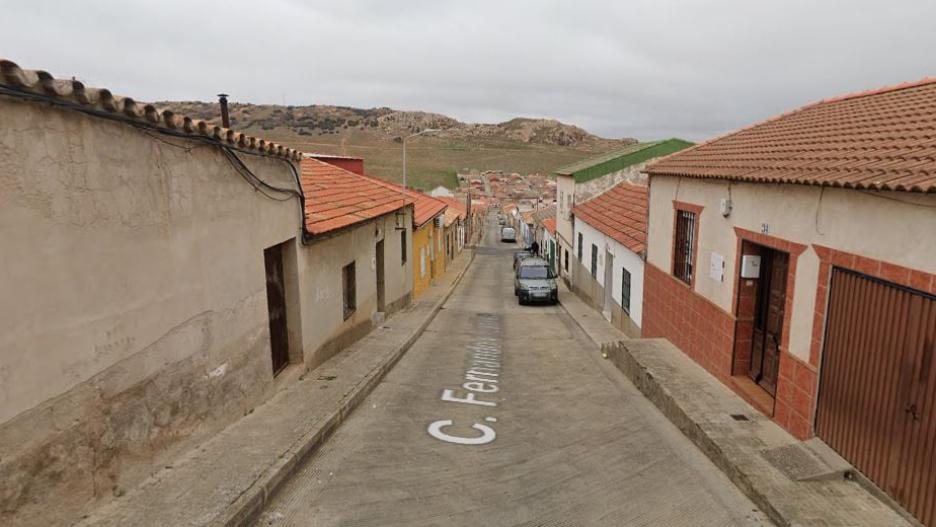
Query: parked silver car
[[508, 234], [535, 282]]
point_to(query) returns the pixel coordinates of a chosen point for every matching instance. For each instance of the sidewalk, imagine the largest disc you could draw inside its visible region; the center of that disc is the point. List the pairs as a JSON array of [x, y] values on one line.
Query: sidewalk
[[795, 483], [226, 480]]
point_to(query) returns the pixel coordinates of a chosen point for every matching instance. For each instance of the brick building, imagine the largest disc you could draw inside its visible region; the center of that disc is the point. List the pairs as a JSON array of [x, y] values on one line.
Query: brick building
[[796, 261]]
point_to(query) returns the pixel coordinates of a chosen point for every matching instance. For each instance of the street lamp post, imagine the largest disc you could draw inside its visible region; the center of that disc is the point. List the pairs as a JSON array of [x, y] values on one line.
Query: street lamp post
[[405, 139]]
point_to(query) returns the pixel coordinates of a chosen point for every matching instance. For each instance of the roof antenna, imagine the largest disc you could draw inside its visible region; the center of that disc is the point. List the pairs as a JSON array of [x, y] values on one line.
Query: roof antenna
[[225, 118]]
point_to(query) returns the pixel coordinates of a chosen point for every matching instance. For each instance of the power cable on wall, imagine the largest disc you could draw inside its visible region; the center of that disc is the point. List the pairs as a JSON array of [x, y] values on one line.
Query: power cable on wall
[[229, 152]]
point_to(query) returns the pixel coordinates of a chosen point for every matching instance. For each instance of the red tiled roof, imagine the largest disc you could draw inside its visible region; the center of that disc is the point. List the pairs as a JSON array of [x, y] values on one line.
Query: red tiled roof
[[452, 215], [620, 213], [883, 139], [550, 224], [455, 205], [426, 206], [337, 198]]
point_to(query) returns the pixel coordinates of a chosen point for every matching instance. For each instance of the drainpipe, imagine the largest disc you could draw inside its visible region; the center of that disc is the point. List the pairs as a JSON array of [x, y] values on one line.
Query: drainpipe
[[225, 118]]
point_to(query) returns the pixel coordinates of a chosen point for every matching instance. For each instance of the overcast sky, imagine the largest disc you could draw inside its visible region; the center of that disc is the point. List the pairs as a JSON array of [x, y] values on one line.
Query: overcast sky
[[637, 68]]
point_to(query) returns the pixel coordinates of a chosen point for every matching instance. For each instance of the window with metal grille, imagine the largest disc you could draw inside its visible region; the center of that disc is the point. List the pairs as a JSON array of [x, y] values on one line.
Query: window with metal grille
[[683, 245], [403, 247], [625, 290], [348, 290], [594, 261], [580, 247], [566, 252]]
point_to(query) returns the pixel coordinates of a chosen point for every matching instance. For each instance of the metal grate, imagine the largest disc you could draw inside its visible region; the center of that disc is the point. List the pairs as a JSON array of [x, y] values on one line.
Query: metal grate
[[684, 245]]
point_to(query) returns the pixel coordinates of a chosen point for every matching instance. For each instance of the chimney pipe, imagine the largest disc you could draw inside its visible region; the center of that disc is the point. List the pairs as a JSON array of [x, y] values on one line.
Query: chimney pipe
[[225, 118]]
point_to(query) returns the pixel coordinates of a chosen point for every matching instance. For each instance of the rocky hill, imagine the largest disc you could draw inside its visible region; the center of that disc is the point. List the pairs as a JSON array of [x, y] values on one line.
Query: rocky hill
[[392, 124]]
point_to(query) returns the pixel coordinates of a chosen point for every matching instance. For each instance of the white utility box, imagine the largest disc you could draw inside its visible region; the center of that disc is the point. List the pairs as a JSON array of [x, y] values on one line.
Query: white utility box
[[717, 267], [750, 266]]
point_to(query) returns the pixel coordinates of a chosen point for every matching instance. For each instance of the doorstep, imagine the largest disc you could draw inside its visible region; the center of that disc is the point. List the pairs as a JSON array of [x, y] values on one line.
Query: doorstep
[[794, 482], [751, 392], [226, 480]]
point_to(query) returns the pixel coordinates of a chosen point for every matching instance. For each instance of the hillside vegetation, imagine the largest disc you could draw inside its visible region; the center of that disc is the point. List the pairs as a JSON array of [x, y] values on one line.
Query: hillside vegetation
[[519, 145]]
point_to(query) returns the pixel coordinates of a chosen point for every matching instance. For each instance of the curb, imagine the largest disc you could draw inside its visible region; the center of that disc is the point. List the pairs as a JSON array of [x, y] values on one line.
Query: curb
[[247, 507], [661, 398]]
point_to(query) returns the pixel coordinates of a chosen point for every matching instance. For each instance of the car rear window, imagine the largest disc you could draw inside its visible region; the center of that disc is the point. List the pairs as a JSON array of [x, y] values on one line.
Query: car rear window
[[534, 272]]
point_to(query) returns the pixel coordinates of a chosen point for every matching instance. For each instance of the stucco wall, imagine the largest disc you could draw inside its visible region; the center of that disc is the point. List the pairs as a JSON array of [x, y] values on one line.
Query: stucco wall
[[623, 259], [883, 225], [133, 319], [565, 187], [325, 331]]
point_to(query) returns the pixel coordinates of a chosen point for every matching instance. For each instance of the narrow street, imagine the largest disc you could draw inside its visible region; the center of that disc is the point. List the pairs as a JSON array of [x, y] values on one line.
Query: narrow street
[[564, 440]]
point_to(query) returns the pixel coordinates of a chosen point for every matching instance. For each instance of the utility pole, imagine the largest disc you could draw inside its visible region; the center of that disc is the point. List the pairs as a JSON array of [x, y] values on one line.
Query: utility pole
[[405, 139]]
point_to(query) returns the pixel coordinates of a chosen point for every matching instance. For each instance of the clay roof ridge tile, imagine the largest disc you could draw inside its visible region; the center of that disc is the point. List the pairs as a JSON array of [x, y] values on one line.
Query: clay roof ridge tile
[[75, 92]]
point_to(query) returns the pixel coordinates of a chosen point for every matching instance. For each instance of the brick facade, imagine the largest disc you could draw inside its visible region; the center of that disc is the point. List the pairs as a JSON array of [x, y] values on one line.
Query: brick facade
[[720, 341], [692, 323]]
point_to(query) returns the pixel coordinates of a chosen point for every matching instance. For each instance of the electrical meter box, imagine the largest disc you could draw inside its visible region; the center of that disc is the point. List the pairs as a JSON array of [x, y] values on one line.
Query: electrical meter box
[[750, 266]]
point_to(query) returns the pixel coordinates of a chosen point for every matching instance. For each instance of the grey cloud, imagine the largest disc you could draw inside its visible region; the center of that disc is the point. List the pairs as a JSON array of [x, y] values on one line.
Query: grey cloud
[[627, 68]]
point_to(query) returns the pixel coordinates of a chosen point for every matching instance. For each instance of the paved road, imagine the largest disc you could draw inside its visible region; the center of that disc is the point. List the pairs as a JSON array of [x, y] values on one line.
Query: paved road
[[565, 439]]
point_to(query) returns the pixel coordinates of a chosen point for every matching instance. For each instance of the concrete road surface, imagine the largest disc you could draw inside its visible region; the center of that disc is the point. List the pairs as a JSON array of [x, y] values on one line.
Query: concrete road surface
[[506, 415]]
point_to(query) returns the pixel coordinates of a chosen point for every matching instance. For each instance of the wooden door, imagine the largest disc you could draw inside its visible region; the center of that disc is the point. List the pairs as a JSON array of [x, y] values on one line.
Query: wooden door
[[381, 286], [768, 320], [877, 391], [276, 307]]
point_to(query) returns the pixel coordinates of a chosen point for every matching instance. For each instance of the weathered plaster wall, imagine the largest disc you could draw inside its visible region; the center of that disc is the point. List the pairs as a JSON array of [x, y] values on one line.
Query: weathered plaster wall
[[889, 226], [565, 191], [325, 331], [591, 188], [133, 320]]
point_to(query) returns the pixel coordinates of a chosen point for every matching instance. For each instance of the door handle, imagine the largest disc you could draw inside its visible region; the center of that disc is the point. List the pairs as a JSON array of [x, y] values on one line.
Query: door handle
[[912, 410], [926, 362]]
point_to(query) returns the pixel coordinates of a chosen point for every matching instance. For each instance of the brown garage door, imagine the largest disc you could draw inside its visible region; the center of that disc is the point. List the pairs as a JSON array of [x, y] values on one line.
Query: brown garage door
[[877, 404]]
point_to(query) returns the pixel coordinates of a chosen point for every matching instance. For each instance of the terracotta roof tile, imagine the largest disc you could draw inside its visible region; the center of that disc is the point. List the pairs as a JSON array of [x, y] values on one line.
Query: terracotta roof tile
[[457, 205], [883, 139], [426, 207], [75, 93], [550, 225], [620, 213], [542, 214], [452, 215], [337, 198]]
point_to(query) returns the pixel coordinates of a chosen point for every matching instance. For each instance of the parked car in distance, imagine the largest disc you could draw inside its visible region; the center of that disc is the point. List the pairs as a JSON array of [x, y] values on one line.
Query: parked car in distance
[[508, 234], [519, 256], [535, 282]]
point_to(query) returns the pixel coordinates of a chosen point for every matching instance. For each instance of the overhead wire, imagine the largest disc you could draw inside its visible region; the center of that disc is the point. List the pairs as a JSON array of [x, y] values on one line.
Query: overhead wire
[[229, 152]]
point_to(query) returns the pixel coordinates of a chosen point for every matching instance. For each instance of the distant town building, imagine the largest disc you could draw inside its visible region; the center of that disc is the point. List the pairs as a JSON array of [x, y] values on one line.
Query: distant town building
[[441, 192], [611, 241], [587, 178]]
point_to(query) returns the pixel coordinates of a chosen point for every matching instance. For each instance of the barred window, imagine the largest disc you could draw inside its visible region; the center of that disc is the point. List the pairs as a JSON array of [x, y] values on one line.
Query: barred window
[[625, 290], [683, 245]]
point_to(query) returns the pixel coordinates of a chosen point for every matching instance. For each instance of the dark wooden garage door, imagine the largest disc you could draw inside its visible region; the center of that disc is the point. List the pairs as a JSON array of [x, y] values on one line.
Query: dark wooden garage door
[[877, 394]]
